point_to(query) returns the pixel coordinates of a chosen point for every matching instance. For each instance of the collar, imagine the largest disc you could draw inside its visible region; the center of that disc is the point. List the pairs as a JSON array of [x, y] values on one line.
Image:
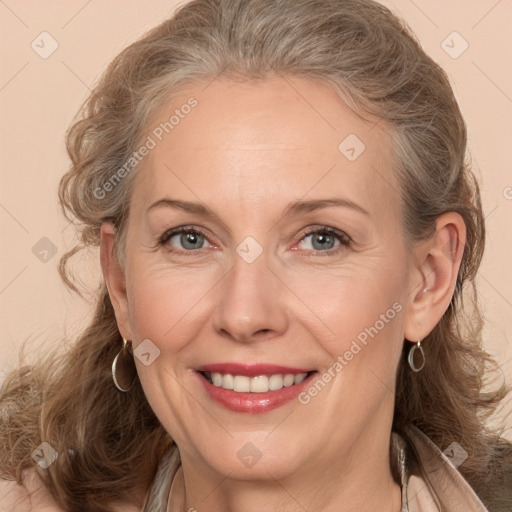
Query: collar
[[441, 487]]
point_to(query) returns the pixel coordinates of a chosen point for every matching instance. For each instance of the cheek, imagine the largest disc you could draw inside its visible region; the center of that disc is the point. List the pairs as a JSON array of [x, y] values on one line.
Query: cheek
[[359, 325], [169, 303], [165, 302], [354, 303]]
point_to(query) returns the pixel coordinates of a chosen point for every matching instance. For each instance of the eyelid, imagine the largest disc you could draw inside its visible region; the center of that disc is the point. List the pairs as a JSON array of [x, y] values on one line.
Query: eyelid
[[326, 229]]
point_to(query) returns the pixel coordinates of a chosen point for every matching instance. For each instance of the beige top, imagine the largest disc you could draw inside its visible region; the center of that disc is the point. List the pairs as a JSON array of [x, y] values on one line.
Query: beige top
[[446, 484]]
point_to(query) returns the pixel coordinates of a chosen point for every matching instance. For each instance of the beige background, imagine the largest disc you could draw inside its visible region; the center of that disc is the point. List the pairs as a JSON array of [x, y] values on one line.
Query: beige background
[[39, 96]]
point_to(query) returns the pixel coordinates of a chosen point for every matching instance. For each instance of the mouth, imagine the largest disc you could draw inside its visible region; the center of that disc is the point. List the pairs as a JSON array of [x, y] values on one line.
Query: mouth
[[256, 384], [253, 388]]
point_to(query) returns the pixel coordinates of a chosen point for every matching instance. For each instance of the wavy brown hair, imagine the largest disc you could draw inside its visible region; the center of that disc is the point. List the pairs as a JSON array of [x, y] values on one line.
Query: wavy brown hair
[[371, 58]]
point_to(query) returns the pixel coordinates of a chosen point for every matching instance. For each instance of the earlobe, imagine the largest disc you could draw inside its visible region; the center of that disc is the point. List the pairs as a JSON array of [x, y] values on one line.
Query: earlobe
[[114, 278], [434, 277]]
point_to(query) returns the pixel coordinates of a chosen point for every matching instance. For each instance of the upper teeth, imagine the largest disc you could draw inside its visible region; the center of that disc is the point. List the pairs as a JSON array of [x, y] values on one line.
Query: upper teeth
[[259, 384]]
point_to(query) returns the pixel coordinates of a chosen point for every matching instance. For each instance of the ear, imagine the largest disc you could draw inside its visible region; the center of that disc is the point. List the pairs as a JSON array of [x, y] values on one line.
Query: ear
[[434, 275], [114, 278]]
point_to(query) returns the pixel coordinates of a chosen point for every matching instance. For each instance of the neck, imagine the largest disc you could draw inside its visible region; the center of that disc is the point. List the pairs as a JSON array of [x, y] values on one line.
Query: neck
[[361, 481]]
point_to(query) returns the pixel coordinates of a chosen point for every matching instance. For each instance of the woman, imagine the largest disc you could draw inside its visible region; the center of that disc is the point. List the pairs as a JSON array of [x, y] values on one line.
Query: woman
[[287, 226]]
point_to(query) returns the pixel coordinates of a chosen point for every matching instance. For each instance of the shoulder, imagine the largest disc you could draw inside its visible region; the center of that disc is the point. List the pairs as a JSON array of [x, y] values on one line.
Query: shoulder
[[32, 496]]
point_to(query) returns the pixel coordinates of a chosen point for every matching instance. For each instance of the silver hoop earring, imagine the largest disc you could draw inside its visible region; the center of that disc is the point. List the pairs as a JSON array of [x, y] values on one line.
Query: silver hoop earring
[[124, 370], [410, 357]]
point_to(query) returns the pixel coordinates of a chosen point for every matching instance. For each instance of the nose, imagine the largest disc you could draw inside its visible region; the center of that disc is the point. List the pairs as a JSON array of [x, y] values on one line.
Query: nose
[[251, 303]]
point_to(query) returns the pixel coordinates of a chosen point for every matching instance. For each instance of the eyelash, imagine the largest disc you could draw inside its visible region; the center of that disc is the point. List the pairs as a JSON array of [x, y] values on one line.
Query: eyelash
[[344, 239]]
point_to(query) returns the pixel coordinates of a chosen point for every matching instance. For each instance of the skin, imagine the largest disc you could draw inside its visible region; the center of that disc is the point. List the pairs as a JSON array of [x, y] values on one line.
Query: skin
[[246, 151]]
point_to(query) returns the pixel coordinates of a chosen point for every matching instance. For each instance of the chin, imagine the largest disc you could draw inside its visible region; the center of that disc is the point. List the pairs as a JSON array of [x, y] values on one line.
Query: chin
[[259, 459]]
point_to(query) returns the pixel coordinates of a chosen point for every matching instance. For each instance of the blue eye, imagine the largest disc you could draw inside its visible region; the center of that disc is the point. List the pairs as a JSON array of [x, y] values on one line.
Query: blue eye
[[188, 239], [325, 240]]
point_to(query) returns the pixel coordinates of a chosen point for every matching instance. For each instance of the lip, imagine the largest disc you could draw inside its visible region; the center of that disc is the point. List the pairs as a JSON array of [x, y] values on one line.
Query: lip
[[253, 403], [250, 370]]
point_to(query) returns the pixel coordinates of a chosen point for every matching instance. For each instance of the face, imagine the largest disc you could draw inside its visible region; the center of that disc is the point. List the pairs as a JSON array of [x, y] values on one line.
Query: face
[[265, 240]]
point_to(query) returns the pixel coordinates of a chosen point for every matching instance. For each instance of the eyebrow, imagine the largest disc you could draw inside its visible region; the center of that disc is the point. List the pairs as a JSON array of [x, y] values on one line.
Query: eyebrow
[[294, 208]]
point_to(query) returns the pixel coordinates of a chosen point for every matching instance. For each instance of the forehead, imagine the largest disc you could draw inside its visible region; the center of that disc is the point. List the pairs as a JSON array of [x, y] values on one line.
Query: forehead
[[279, 139]]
